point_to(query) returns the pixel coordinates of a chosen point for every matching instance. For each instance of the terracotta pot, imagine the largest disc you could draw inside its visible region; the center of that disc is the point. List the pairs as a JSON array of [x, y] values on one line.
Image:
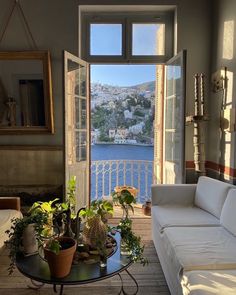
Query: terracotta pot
[[131, 189], [146, 208], [60, 264]]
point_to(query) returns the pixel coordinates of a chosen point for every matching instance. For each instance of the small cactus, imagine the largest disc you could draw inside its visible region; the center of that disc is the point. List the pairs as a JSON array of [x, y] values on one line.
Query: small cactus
[[95, 231]]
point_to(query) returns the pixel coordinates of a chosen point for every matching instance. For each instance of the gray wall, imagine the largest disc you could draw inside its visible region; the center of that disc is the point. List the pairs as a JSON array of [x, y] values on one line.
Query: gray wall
[[221, 145], [54, 24]]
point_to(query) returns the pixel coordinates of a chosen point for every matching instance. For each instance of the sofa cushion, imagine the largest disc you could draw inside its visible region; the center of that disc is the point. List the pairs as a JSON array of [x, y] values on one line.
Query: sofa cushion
[[211, 194], [200, 248], [206, 282], [170, 216], [228, 214], [5, 222]]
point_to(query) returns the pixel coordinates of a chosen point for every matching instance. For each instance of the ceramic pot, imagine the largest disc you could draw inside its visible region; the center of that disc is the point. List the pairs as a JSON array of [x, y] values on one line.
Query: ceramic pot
[[29, 241], [146, 208], [60, 264]]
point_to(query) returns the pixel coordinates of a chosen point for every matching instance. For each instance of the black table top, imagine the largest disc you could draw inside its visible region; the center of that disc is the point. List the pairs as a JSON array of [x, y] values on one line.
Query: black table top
[[36, 268]]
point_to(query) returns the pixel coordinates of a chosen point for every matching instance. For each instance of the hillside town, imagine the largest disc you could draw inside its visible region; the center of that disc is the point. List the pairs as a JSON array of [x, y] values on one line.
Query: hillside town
[[122, 115]]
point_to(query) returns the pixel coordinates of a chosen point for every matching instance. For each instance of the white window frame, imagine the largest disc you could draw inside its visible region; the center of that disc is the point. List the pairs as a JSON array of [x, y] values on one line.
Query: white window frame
[[126, 20]]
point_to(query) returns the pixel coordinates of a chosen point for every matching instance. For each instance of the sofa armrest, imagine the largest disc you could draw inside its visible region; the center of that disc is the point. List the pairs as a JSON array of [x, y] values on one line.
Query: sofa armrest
[[10, 203], [173, 194]]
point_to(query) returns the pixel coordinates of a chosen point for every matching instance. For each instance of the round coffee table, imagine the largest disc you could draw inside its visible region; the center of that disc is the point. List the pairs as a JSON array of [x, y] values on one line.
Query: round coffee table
[[36, 268]]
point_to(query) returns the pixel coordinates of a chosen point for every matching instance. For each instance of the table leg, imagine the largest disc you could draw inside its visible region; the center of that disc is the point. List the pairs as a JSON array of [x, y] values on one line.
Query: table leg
[[61, 290], [122, 291], [36, 285], [55, 289]]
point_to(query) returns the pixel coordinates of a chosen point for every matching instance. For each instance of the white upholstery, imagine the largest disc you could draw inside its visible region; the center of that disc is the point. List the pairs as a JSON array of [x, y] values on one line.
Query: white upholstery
[[200, 248], [219, 282], [166, 263], [211, 194], [172, 216], [195, 238], [173, 194], [5, 222], [228, 214]]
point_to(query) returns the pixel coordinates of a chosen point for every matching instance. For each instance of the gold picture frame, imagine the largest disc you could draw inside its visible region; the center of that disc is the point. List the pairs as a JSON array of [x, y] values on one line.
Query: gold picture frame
[[26, 103]]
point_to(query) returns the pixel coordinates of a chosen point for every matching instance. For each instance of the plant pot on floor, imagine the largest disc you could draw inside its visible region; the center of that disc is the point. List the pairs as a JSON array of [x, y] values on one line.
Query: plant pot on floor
[[60, 263]]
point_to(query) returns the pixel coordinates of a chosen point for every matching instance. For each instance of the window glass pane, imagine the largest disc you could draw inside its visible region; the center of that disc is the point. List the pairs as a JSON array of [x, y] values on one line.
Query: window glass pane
[[106, 39], [81, 146], [148, 39]]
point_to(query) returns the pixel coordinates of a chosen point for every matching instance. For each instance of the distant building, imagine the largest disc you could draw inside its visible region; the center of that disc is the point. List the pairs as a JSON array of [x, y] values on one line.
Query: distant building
[[95, 135], [119, 139], [112, 133], [128, 114], [136, 129], [122, 132]]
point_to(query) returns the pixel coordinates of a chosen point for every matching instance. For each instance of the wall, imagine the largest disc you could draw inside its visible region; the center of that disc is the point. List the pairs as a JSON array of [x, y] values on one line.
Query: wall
[[54, 24], [194, 34], [221, 145], [54, 27]]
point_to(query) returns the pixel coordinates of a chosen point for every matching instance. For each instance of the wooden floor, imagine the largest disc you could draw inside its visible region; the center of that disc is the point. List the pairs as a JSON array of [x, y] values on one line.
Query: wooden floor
[[150, 278]]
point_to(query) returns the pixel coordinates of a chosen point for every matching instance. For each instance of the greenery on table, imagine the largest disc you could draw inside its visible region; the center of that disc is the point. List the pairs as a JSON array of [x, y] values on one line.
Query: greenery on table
[[125, 199], [43, 215], [14, 244], [133, 242], [103, 208]]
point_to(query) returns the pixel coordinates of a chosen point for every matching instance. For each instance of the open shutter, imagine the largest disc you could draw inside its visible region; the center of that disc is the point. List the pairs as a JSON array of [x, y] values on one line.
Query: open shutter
[[174, 120], [77, 126], [158, 125]]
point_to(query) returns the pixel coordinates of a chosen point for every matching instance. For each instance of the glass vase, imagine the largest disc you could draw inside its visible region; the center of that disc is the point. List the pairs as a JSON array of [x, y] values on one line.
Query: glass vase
[[124, 250], [103, 261]]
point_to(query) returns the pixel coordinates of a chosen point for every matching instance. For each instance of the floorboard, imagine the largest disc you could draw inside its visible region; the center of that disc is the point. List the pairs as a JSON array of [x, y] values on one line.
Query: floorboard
[[150, 278]]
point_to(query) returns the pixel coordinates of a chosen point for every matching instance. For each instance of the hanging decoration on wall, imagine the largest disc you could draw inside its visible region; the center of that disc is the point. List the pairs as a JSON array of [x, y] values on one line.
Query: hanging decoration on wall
[[17, 6], [26, 103], [198, 120]]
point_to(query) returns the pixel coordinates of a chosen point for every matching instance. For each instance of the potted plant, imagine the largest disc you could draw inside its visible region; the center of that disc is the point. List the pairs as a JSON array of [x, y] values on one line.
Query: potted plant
[[95, 227], [59, 254], [125, 197], [130, 243], [17, 232], [48, 209]]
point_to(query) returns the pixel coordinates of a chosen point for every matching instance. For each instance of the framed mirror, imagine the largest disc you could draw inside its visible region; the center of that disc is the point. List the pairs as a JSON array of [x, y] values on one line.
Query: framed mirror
[[26, 104]]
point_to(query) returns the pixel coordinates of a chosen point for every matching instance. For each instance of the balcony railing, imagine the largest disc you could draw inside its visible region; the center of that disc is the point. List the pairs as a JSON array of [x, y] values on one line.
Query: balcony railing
[[107, 174]]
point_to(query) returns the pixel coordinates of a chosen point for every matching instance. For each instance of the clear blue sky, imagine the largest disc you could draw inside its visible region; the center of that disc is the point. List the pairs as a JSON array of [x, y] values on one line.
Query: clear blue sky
[[122, 75], [106, 40]]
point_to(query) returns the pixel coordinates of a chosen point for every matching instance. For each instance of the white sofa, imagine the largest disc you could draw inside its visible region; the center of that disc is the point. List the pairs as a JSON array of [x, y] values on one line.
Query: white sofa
[[194, 232], [9, 208]]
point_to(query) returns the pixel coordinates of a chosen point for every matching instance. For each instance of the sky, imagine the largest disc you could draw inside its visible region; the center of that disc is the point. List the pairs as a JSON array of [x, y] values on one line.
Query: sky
[[105, 39], [122, 75]]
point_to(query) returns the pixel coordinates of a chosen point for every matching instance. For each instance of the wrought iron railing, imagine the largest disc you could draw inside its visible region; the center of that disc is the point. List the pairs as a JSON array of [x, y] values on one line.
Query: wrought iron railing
[[106, 174]]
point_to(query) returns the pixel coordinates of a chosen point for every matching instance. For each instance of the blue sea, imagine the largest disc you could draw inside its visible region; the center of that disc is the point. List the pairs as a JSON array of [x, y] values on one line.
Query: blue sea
[[121, 152]]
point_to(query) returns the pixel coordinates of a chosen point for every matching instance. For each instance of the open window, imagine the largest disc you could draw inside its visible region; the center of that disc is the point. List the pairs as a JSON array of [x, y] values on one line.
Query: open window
[[127, 37], [169, 135], [174, 120], [77, 130]]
